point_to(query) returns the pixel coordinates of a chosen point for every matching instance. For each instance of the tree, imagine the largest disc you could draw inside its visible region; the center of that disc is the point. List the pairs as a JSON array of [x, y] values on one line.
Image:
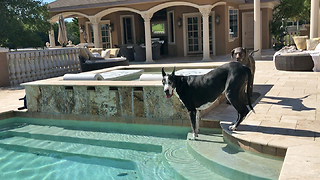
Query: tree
[[298, 10], [23, 23], [73, 31]]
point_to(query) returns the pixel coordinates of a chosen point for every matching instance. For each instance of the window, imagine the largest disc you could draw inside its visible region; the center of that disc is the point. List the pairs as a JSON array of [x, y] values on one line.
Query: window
[[171, 30], [158, 28], [91, 33], [127, 27], [233, 23]]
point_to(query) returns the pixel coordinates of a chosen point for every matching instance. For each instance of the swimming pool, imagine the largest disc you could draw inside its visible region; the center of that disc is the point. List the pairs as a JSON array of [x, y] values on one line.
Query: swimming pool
[[65, 149]]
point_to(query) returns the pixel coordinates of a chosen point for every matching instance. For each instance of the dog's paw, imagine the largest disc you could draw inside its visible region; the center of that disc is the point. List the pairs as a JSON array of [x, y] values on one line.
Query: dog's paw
[[232, 127], [194, 136]]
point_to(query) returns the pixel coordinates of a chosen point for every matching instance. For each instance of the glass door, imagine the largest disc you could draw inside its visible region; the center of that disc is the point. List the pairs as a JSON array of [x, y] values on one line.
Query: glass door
[[194, 38], [195, 34], [127, 26], [105, 36]]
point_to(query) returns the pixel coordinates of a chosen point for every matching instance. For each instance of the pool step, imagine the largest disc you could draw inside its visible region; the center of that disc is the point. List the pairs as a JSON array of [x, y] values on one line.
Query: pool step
[[214, 153], [187, 166], [111, 140], [61, 150]]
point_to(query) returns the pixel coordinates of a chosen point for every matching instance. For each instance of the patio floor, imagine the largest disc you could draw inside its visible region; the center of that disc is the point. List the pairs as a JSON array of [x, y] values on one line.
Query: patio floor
[[286, 119]]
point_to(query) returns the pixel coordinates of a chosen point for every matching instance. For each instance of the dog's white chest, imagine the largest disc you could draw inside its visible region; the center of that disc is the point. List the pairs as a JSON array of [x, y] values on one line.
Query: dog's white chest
[[205, 106]]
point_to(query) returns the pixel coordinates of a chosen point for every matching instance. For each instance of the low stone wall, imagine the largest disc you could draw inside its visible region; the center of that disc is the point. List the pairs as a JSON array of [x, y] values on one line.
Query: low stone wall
[[109, 101], [114, 101]]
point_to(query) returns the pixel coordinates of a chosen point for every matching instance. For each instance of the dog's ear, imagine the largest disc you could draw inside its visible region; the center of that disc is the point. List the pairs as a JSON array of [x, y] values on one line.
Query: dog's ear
[[174, 69], [232, 53], [163, 73], [245, 51]]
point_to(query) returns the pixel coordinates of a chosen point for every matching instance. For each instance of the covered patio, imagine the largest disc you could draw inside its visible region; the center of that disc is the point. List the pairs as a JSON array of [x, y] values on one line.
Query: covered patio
[[187, 28]]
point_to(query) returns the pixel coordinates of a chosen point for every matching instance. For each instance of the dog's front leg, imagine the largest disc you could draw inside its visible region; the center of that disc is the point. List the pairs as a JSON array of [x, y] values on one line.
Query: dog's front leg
[[193, 120]]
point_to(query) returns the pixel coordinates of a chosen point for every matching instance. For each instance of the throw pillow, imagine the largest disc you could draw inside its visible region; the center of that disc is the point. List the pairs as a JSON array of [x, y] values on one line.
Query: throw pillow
[[317, 47], [300, 42], [84, 54], [312, 43], [106, 53]]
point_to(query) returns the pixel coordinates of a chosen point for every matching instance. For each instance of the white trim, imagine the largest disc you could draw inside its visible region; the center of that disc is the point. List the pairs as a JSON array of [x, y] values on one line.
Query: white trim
[[184, 35], [173, 27], [88, 24], [269, 5], [233, 39], [213, 24], [133, 28]]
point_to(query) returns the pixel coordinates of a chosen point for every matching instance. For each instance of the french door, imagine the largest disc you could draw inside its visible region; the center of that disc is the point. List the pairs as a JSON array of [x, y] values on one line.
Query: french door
[[194, 33]]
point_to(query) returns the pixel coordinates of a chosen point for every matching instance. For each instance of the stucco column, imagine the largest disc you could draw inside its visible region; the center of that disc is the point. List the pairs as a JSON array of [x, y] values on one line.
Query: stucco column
[[205, 11], [95, 27], [147, 31], [51, 38], [314, 18], [257, 28]]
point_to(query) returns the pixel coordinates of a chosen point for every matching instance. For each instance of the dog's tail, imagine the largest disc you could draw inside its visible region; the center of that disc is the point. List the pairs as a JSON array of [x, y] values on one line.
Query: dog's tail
[[248, 89], [253, 52]]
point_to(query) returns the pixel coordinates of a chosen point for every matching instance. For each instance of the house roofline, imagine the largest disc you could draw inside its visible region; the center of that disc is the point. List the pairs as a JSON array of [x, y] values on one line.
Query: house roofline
[[98, 5]]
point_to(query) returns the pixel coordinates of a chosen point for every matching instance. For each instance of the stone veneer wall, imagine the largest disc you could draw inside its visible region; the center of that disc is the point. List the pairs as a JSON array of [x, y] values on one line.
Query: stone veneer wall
[[108, 101]]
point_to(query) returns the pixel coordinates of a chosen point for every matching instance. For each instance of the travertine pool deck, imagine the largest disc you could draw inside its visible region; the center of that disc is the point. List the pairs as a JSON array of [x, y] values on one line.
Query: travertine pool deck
[[286, 121]]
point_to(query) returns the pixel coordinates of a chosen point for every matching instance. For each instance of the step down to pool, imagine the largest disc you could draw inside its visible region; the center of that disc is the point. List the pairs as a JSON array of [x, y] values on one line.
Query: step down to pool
[[62, 150], [211, 151], [111, 140], [187, 167]]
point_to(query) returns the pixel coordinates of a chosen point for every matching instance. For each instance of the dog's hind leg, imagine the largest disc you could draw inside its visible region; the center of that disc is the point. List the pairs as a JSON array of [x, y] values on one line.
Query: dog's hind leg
[[239, 104], [242, 112], [193, 121]]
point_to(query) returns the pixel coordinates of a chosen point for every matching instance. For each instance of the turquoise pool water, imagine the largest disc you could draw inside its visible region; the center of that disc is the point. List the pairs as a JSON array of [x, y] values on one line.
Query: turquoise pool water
[[63, 149]]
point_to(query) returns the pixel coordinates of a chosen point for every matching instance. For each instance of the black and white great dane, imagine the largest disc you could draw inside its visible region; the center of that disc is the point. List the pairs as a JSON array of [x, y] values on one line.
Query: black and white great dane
[[199, 91]]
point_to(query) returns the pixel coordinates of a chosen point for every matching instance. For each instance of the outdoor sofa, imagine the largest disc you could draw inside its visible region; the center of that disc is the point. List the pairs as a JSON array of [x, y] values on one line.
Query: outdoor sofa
[[303, 56], [93, 61]]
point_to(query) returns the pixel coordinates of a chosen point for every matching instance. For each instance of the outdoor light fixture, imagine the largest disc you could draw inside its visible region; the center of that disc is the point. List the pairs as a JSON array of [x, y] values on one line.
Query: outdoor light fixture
[[81, 28], [217, 19], [179, 22], [110, 27]]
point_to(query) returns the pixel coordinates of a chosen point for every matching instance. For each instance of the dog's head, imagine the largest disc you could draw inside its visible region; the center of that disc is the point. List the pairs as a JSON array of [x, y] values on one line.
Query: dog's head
[[168, 81], [239, 53]]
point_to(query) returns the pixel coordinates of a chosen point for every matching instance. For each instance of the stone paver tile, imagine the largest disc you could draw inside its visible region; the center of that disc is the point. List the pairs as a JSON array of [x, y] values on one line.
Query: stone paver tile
[[262, 138], [285, 141], [300, 168], [262, 108], [264, 117], [290, 119], [312, 150], [308, 125], [278, 126]]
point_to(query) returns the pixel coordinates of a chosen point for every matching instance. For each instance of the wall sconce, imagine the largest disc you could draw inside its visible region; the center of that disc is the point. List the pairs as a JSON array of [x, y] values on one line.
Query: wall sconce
[[110, 27], [81, 28], [179, 22], [217, 19]]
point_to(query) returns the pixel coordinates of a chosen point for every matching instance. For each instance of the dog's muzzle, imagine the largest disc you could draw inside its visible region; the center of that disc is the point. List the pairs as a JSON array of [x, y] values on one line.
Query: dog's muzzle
[[168, 94]]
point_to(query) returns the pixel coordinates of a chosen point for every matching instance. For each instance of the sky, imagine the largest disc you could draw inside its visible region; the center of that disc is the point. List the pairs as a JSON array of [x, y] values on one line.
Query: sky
[[48, 1]]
